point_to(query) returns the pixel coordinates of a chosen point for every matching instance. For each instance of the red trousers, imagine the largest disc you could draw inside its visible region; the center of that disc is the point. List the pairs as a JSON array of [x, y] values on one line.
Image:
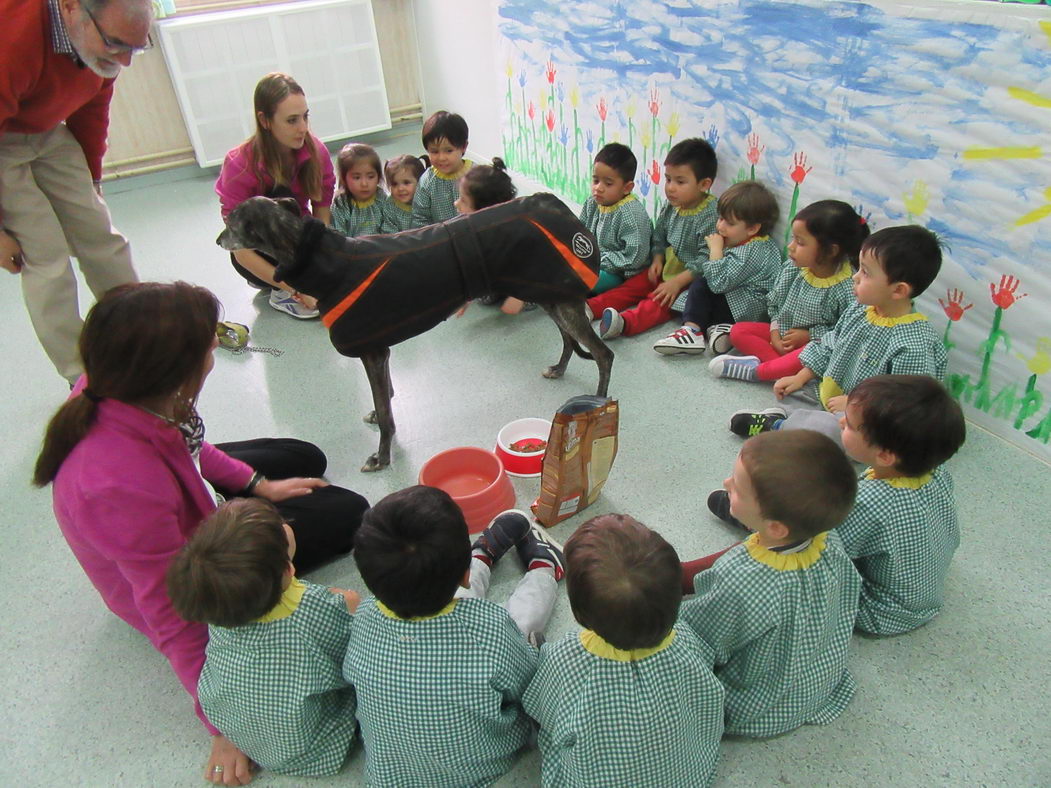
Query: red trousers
[[632, 300], [753, 339]]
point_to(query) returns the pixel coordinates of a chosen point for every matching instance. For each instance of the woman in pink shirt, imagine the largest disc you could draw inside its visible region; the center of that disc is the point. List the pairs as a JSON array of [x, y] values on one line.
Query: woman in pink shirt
[[282, 159], [133, 476]]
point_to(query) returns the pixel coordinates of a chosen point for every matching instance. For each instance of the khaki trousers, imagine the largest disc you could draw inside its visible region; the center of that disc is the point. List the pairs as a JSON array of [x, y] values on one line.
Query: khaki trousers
[[51, 208]]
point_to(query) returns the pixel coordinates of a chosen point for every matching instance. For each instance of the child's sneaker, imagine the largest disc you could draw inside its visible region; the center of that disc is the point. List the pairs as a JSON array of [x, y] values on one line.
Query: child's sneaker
[[538, 550], [749, 422], [685, 341], [736, 367], [611, 325], [719, 338], [283, 302], [719, 505], [505, 531]]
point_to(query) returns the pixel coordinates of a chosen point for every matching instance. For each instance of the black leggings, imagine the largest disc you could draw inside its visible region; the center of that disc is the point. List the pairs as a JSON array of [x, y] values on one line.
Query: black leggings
[[324, 521], [704, 307]]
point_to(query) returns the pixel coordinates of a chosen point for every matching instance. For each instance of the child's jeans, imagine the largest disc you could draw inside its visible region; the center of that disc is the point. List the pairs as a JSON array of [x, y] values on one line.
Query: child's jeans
[[753, 339], [530, 603], [705, 308], [632, 300]]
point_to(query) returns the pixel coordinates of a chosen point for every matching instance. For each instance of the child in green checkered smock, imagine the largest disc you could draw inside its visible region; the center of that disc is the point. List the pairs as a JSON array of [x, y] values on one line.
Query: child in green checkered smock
[[403, 175], [677, 247], [743, 264], [360, 206], [616, 218], [445, 140], [778, 609], [631, 700], [440, 678], [272, 679], [903, 530], [811, 292]]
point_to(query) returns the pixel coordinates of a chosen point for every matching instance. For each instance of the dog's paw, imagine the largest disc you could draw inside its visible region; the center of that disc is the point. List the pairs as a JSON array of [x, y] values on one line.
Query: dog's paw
[[553, 372], [370, 418], [373, 464]]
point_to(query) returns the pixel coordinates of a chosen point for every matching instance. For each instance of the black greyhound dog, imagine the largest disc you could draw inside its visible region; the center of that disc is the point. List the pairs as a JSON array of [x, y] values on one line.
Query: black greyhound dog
[[376, 291]]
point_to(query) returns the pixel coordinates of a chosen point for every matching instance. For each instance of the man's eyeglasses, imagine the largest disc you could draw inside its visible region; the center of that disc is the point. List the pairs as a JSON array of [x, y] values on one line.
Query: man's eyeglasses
[[115, 46]]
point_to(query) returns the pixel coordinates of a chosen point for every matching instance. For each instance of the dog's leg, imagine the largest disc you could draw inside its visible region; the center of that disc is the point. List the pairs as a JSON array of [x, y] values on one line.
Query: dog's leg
[[370, 417], [377, 368], [572, 321]]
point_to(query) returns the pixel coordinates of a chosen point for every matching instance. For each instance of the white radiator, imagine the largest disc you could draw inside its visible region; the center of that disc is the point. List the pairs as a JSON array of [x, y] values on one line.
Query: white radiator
[[328, 46]]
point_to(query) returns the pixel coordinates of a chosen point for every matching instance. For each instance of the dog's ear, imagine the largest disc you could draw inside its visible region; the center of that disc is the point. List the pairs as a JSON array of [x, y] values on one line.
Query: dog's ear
[[289, 204]]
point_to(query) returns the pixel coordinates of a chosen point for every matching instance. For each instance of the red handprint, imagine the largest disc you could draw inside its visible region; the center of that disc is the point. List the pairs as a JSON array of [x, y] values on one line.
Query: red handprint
[[531, 111], [1005, 296], [601, 107], [799, 170], [954, 309], [550, 72], [550, 120], [655, 101], [655, 172], [754, 151]]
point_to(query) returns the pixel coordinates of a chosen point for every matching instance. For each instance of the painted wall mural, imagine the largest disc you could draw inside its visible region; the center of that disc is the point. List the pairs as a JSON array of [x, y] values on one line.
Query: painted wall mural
[[923, 112]]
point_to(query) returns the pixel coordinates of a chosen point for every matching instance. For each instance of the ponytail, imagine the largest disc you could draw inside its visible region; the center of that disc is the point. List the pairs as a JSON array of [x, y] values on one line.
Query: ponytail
[[65, 430], [835, 223]]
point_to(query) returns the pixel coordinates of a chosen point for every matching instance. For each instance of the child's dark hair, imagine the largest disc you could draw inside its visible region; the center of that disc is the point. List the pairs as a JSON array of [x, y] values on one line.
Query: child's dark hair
[[837, 228], [444, 125], [352, 153], [909, 254], [912, 416], [623, 580], [231, 570], [697, 154], [412, 550], [414, 164], [801, 479], [619, 158], [488, 185], [752, 203]]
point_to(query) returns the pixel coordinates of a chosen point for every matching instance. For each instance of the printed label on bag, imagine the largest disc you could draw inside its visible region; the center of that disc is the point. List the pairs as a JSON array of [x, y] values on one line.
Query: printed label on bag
[[569, 506]]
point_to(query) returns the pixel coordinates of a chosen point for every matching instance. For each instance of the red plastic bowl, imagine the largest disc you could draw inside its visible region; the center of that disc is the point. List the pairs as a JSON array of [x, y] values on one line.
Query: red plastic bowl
[[519, 463], [475, 479]]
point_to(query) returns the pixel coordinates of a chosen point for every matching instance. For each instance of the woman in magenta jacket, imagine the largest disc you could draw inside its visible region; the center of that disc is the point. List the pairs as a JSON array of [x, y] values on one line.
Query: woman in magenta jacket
[[133, 476]]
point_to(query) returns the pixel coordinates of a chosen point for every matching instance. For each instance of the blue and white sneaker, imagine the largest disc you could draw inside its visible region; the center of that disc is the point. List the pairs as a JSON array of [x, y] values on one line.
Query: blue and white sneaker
[[505, 531], [283, 302], [539, 550], [611, 324], [736, 367]]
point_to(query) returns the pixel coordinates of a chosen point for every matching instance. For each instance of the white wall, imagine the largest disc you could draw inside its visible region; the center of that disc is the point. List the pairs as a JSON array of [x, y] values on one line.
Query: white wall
[[457, 42]]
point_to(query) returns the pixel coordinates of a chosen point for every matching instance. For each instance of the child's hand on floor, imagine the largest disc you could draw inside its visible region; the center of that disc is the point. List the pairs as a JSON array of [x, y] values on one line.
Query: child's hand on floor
[[795, 338], [787, 385], [353, 598], [837, 404]]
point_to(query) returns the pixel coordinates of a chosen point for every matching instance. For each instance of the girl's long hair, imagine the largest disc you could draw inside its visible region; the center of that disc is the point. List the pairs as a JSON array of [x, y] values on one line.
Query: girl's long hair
[[140, 342], [264, 152]]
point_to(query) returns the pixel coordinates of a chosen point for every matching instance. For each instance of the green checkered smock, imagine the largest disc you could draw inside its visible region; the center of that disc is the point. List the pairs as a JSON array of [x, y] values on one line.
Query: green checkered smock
[[863, 345], [680, 235], [353, 218], [647, 717], [623, 233], [397, 216], [439, 697], [435, 196], [745, 274], [275, 687], [801, 300], [779, 624], [902, 534]]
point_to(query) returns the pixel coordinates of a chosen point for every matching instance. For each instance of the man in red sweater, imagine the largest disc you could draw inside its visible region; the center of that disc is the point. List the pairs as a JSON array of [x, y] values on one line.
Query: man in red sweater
[[58, 60]]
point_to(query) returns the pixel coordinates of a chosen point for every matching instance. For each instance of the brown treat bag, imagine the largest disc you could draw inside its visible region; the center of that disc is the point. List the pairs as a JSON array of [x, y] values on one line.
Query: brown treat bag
[[580, 452]]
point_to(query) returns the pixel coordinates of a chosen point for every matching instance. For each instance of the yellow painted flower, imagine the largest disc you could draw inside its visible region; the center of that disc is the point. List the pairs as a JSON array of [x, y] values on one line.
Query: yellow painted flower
[[543, 101], [574, 97], [673, 124], [631, 108], [916, 202], [510, 70], [1040, 363], [646, 139]]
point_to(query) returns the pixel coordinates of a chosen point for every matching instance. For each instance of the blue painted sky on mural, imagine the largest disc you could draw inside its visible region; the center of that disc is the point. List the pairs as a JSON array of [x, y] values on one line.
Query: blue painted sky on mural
[[898, 84]]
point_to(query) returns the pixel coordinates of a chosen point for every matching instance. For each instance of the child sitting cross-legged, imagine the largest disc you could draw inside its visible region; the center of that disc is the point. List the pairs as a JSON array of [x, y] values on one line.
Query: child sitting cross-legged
[[778, 609], [742, 266], [902, 532], [631, 699], [677, 247], [440, 673], [272, 679], [812, 291]]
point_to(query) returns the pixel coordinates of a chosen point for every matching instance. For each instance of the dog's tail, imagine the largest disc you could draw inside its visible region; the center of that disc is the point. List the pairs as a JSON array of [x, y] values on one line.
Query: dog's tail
[[580, 351]]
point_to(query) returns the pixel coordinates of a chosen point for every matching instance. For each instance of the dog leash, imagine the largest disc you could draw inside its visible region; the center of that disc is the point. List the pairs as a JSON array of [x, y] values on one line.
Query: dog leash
[[234, 337]]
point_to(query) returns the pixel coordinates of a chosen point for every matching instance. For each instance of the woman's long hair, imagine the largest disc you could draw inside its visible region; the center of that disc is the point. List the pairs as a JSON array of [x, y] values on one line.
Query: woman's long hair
[[263, 148], [140, 343]]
